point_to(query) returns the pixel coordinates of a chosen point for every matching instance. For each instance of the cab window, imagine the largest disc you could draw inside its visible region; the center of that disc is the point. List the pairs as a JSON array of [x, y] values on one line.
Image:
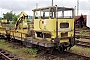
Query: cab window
[[37, 14], [45, 14], [64, 25]]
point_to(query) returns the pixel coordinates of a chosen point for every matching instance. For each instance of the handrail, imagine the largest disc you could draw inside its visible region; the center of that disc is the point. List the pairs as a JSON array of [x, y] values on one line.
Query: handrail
[[39, 24]]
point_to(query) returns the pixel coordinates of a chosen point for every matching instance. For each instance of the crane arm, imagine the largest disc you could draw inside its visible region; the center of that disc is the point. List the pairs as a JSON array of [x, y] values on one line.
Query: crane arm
[[22, 16]]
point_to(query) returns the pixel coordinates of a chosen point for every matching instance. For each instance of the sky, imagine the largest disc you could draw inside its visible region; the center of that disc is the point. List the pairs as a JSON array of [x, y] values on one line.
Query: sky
[[16, 6]]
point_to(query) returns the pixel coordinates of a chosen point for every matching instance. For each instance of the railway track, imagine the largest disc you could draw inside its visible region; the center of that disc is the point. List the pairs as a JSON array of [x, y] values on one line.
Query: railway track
[[78, 32], [87, 30], [83, 44], [86, 34], [7, 56], [64, 56], [78, 56], [83, 30], [85, 37], [78, 29]]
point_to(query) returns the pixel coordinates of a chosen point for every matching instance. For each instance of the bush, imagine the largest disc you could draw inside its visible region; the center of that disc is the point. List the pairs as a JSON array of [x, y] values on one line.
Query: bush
[[32, 51], [81, 32]]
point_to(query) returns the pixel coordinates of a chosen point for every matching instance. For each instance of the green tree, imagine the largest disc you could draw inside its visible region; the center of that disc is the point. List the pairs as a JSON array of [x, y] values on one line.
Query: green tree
[[15, 18], [10, 16], [0, 19]]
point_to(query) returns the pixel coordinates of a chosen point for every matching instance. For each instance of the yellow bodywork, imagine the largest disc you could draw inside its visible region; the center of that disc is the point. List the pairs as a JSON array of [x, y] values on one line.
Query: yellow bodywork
[[20, 33], [17, 34], [4, 21], [0, 26], [2, 30], [21, 29], [50, 28], [22, 18]]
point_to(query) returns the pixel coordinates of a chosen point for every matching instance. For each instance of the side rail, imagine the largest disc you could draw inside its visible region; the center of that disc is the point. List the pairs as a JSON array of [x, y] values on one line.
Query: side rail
[[17, 35]]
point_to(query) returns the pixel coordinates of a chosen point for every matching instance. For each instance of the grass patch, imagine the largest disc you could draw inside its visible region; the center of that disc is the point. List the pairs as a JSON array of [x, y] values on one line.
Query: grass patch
[[25, 53], [84, 33], [81, 32], [32, 51], [75, 48], [88, 50], [81, 50], [3, 44]]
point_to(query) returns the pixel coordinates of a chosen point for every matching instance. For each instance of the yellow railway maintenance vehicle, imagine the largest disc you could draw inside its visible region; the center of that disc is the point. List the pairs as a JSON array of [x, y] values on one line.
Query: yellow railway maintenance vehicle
[[53, 28], [21, 29]]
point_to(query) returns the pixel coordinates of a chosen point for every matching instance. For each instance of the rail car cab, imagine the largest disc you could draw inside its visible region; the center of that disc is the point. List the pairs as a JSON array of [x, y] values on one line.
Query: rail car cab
[[54, 24]]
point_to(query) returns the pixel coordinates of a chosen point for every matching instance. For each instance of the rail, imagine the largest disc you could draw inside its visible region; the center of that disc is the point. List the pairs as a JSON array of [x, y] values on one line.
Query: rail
[[83, 44], [6, 56], [21, 34], [66, 56]]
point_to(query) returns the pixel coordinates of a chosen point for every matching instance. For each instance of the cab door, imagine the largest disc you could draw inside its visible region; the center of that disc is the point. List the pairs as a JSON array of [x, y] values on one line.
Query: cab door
[[37, 21]]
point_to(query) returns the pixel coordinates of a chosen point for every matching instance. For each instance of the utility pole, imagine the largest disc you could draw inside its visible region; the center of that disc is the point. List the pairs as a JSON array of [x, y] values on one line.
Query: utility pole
[[77, 7], [36, 8], [52, 2], [36, 5], [75, 10]]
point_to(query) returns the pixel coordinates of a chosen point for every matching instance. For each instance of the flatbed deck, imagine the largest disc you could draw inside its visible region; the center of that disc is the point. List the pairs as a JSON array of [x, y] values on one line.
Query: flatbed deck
[[44, 43]]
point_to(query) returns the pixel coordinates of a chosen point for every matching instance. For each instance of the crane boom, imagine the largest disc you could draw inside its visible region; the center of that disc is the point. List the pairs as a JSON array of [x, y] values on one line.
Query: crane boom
[[22, 17]]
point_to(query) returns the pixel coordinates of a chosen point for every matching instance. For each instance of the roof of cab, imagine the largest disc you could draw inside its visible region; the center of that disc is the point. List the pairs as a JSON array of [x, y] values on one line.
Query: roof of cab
[[59, 8]]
